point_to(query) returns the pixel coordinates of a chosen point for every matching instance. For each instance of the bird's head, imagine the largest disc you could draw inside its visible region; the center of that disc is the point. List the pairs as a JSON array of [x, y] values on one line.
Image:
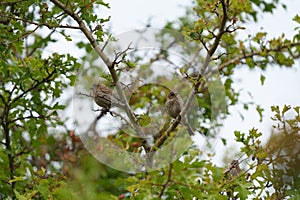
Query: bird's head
[[172, 95]]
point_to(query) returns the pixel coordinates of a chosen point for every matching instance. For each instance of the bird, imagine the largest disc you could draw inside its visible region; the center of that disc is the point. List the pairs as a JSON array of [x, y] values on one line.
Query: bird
[[235, 169], [173, 107], [104, 97]]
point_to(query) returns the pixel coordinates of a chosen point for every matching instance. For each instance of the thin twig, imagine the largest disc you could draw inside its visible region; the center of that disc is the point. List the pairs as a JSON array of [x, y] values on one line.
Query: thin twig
[[164, 186], [255, 53], [108, 62], [199, 84], [38, 24], [121, 117]]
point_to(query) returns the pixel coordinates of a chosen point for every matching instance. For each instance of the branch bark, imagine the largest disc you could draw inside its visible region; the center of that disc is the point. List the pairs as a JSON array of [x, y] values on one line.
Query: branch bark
[[255, 53], [108, 62], [200, 83]]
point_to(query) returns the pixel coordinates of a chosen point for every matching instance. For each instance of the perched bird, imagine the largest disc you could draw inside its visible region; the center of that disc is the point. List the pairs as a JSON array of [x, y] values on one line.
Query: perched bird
[[104, 97], [173, 107], [234, 169]]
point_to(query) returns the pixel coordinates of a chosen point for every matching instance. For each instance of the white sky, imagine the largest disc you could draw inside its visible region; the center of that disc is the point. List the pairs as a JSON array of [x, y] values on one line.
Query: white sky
[[134, 14], [282, 86]]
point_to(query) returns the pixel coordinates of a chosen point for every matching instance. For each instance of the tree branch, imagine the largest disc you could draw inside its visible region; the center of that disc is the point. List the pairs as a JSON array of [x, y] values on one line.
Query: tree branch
[[255, 53], [27, 117], [164, 186], [38, 24], [6, 132], [34, 86], [109, 63], [221, 30], [11, 2], [199, 84]]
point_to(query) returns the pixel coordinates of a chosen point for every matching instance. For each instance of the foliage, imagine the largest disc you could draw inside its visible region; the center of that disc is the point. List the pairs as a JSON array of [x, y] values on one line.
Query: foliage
[[41, 158]]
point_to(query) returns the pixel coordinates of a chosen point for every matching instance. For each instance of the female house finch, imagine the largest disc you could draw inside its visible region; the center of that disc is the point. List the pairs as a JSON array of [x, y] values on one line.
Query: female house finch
[[104, 97], [173, 106]]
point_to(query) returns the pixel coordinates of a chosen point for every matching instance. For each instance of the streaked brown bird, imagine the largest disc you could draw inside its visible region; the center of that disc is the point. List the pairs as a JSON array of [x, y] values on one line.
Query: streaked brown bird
[[173, 107], [104, 97]]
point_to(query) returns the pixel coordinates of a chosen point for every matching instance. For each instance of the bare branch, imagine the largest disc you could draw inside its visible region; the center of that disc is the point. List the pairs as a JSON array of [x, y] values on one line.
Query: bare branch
[[122, 118], [119, 54], [106, 43], [82, 94], [109, 63]]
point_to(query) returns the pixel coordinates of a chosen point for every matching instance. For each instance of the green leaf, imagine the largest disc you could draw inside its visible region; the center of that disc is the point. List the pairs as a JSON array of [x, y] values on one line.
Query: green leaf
[[262, 79], [260, 36], [260, 112], [42, 129], [224, 141], [297, 19], [68, 38], [19, 196], [297, 109], [105, 20], [250, 63], [285, 109], [72, 78], [101, 2], [269, 7], [262, 155], [275, 109], [99, 33], [243, 190], [43, 189], [144, 120], [131, 64], [64, 193], [58, 106], [132, 188]]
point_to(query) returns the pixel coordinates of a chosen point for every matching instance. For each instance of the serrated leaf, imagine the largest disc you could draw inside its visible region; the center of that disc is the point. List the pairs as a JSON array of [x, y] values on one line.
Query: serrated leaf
[[285, 109], [243, 190], [297, 108], [19, 196], [101, 2], [297, 19], [105, 20]]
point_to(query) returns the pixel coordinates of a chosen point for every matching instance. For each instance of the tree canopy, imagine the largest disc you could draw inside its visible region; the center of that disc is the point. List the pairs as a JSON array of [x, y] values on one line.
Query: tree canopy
[[133, 149]]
